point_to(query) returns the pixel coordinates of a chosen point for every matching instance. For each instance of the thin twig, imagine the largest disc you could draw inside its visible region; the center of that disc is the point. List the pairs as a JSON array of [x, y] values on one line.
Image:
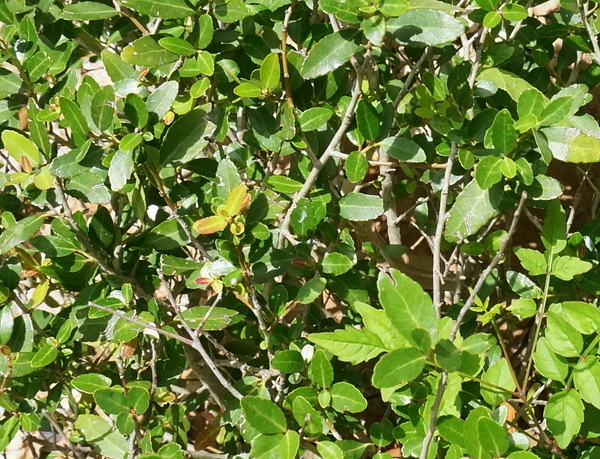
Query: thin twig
[[583, 10], [57, 427], [314, 173], [407, 84], [439, 232]]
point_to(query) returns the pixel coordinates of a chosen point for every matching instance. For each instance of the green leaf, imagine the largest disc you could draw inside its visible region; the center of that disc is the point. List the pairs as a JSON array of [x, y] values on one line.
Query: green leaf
[[367, 120], [555, 111], [270, 72], [425, 27], [311, 290], [20, 232], [350, 345], [584, 317], [523, 307], [502, 132], [493, 436], [160, 101], [513, 12], [164, 9], [102, 110], [564, 416], [499, 375], [265, 128], [488, 172], [447, 355], [288, 361], [472, 438], [147, 53], [229, 11], [320, 370], [452, 429], [247, 89], [139, 399], [554, 230], [336, 263], [113, 446], [394, 8], [112, 400], [266, 446], [403, 149], [330, 53], [92, 426], [522, 285], [218, 319], [329, 450], [186, 138], [531, 102], [21, 148], [358, 207], [177, 46], [473, 208], [533, 261], [586, 376], [347, 398], [548, 363], [562, 337], [7, 323], [75, 119], [347, 11], [263, 415], [289, 445], [306, 416], [283, 184], [566, 267], [407, 305], [117, 69], [91, 185], [506, 81], [88, 11], [570, 144], [524, 171], [314, 118], [396, 367], [44, 356], [356, 166]]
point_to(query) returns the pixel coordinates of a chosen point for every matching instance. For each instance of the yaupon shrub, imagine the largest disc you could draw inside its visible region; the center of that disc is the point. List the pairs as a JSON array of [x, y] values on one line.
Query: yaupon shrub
[[277, 228]]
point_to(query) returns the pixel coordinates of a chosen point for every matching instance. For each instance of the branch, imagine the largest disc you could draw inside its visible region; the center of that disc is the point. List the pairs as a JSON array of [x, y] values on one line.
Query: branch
[[318, 166], [439, 232], [593, 38]]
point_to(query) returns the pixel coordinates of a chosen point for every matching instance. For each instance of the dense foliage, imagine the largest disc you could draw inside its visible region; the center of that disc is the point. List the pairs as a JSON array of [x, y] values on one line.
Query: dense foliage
[[267, 228]]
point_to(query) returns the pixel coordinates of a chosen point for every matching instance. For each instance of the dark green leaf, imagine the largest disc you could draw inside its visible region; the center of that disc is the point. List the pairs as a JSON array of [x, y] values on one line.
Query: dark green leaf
[[75, 119], [186, 138], [288, 361], [314, 118], [112, 400], [88, 11], [356, 166], [330, 53], [20, 232], [367, 120], [403, 149]]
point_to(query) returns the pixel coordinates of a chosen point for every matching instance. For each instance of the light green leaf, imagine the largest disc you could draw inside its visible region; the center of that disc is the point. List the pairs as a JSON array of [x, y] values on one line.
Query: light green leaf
[[264, 415], [358, 207], [329, 450], [493, 436], [499, 375], [586, 377], [20, 232], [532, 260], [112, 400], [509, 82], [147, 53], [102, 110], [367, 120], [403, 149], [571, 144], [396, 367], [320, 370], [113, 446], [21, 148], [7, 322], [330, 53], [314, 118], [75, 119], [554, 230], [566, 267], [289, 445], [164, 9], [523, 307], [350, 345], [270, 72], [531, 102], [562, 337], [347, 398], [425, 27], [472, 209], [160, 101], [88, 11], [548, 363], [336, 263], [92, 426], [186, 138], [513, 12], [407, 305], [44, 356], [502, 132], [117, 69], [584, 317], [447, 355], [522, 285], [555, 111], [283, 184], [177, 46], [347, 11], [488, 172], [290, 361], [311, 290], [356, 166], [218, 319], [564, 416]]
